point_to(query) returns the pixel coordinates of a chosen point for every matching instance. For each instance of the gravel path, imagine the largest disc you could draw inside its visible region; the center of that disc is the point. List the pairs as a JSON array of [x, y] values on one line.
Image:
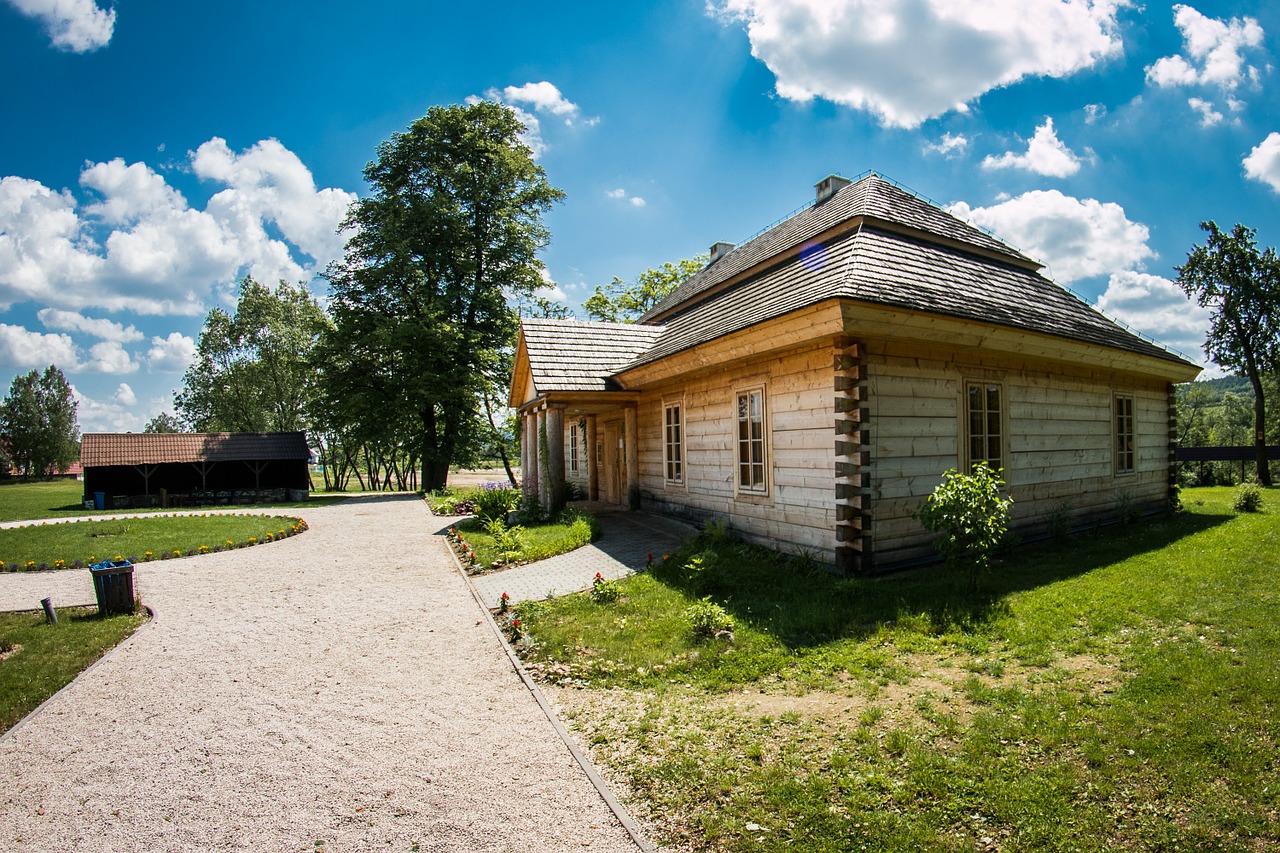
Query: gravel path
[[339, 690]]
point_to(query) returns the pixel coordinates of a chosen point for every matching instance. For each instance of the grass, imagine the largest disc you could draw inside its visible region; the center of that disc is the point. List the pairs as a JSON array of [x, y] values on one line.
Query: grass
[[42, 658], [572, 529], [62, 498], [94, 541], [1114, 691]]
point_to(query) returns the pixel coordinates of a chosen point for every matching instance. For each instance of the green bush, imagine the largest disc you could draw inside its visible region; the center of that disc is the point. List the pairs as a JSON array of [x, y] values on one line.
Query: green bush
[[1248, 498], [709, 619], [582, 529], [495, 501], [969, 515], [508, 541], [605, 591]]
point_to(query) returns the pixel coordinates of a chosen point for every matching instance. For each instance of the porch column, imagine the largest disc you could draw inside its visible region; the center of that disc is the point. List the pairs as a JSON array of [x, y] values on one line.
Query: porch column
[[528, 470], [631, 443], [536, 460], [593, 474], [555, 459]]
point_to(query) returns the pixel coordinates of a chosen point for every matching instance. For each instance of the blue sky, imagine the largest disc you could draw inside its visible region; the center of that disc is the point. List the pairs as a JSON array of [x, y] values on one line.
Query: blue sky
[[156, 152]]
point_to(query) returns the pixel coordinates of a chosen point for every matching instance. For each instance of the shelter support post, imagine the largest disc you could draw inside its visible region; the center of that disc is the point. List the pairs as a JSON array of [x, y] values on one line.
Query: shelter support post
[[555, 459], [593, 472]]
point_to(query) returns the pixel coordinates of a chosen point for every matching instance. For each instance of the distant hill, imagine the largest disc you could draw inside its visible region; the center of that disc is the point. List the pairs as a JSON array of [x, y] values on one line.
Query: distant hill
[[1238, 385]]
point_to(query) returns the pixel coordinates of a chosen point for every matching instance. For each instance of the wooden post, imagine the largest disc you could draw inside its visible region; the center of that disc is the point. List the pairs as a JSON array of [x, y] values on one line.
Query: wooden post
[[524, 456], [593, 471], [555, 458], [544, 473], [631, 444]]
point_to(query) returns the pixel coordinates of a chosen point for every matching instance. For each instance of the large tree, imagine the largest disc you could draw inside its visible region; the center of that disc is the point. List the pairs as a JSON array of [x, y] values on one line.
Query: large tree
[[1242, 285], [623, 302], [253, 370], [38, 423], [448, 234]]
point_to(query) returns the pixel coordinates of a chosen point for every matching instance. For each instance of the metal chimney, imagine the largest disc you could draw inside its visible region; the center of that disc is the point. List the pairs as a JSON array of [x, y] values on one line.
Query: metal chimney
[[718, 251], [829, 186]]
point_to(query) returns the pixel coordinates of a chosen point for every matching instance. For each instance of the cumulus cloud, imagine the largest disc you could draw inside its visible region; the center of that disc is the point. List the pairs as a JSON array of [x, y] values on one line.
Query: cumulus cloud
[[173, 354], [950, 145], [910, 61], [21, 349], [1158, 308], [550, 289], [1045, 155], [621, 195], [70, 321], [1263, 162], [75, 25], [1077, 238], [117, 413], [533, 99], [1214, 52], [124, 395], [1209, 115], [136, 244], [109, 357]]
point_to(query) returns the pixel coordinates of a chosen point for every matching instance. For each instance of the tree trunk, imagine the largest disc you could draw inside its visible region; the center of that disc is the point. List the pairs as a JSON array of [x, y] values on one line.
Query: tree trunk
[[1259, 429]]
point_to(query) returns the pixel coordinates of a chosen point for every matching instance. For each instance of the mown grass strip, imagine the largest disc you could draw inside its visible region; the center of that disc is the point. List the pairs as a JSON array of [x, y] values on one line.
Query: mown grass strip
[[138, 539], [1119, 690], [37, 659]]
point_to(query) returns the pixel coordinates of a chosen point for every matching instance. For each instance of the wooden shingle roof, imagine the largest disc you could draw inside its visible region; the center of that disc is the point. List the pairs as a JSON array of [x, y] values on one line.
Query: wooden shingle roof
[[572, 355], [100, 449]]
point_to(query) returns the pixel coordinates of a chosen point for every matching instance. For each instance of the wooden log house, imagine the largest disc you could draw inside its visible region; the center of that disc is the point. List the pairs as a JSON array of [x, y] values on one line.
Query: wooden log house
[[811, 386]]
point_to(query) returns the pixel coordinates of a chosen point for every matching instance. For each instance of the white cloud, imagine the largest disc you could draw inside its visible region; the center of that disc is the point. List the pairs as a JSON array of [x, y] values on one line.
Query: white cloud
[[1045, 155], [1158, 308], [1077, 238], [1214, 52], [70, 321], [1208, 115], [621, 195], [950, 145], [551, 290], [541, 98], [21, 349], [75, 25], [1094, 113], [910, 61], [124, 395], [110, 357], [1263, 162], [137, 244], [173, 354]]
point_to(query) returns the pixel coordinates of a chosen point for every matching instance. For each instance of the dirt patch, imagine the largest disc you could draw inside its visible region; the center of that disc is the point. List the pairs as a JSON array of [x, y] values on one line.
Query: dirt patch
[[475, 476], [8, 650]]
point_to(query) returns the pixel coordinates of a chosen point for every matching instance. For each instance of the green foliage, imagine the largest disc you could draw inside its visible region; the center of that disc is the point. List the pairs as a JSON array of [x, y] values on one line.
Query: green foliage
[[254, 369], [162, 423], [1242, 286], [605, 591], [507, 541], [496, 502], [38, 427], [1248, 498], [450, 229], [570, 530], [970, 516], [709, 620], [620, 302]]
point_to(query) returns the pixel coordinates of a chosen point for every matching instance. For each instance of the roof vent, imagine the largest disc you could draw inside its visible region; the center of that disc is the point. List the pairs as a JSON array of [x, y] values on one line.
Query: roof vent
[[718, 251], [829, 186]]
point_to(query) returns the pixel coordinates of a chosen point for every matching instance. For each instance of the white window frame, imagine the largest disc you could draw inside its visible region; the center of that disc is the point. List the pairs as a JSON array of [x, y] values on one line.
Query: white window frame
[[751, 452], [573, 448], [673, 435], [1124, 426]]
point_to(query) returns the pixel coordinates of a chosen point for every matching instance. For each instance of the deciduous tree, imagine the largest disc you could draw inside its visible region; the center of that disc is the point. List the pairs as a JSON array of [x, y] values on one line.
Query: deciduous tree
[[1242, 285], [623, 302], [449, 233], [38, 423]]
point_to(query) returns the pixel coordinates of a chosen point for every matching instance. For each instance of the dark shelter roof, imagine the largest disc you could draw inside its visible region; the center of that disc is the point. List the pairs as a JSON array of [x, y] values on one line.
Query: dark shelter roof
[[101, 449]]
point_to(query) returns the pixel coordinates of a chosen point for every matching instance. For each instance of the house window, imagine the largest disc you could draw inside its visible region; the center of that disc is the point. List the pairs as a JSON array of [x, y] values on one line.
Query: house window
[[573, 448], [751, 462], [1124, 435], [673, 442], [986, 435]]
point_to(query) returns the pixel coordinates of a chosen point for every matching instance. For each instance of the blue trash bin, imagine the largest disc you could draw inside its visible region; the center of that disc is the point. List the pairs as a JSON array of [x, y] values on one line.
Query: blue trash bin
[[99, 500]]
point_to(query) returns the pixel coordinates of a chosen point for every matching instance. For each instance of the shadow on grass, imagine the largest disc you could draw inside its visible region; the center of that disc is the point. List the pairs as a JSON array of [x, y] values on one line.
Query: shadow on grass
[[801, 604]]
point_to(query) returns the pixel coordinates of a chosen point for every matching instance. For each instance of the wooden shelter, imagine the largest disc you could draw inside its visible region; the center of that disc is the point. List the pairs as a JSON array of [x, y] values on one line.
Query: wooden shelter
[[193, 469], [811, 386]]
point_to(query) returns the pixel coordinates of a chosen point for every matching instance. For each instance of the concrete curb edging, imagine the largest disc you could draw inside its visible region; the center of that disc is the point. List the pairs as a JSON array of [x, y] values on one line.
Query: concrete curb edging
[[619, 810], [151, 620]]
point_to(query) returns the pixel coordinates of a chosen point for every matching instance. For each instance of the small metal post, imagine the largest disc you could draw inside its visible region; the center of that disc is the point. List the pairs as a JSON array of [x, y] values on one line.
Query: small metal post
[[50, 616]]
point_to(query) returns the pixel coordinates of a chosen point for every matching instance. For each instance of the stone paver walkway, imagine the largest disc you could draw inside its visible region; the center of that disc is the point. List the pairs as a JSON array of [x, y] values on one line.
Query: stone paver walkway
[[626, 541], [337, 690]]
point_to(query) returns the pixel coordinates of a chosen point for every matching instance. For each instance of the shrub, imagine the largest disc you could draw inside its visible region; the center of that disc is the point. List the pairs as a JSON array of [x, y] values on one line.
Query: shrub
[[1248, 498], [509, 541], [709, 620], [969, 515], [583, 528], [495, 500], [605, 591]]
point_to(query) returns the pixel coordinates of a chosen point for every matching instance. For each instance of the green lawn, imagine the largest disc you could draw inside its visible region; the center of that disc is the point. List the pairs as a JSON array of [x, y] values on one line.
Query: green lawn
[[21, 501], [571, 530], [1113, 691], [134, 538], [37, 659]]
